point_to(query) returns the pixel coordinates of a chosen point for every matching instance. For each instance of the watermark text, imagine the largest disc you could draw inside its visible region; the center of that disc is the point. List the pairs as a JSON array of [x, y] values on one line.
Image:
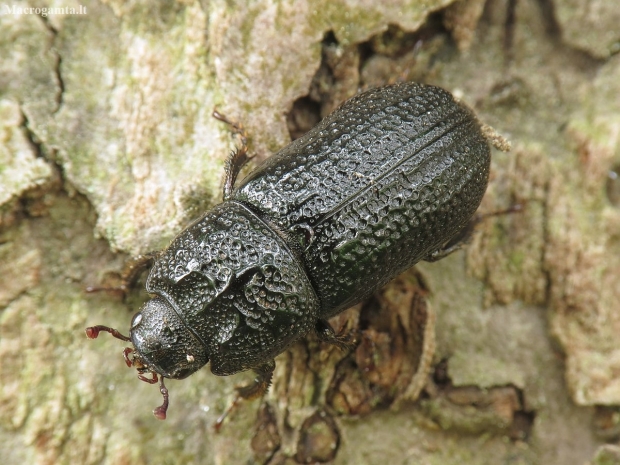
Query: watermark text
[[6, 9]]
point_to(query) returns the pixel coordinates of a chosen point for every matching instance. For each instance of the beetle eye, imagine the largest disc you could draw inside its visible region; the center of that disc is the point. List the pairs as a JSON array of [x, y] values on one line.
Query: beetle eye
[[137, 319]]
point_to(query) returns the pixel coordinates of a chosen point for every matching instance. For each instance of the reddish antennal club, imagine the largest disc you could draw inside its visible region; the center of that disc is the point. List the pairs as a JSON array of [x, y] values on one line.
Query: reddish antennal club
[[92, 332]]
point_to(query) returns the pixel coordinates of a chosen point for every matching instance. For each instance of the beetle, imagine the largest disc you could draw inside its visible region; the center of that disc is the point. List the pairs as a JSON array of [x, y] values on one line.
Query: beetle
[[391, 177]]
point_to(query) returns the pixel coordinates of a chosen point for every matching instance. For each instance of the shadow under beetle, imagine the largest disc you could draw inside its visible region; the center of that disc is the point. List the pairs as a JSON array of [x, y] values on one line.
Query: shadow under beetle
[[392, 177]]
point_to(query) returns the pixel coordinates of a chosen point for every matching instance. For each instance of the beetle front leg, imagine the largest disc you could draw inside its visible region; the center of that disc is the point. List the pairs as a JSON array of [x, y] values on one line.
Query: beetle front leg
[[237, 158], [261, 383], [257, 389]]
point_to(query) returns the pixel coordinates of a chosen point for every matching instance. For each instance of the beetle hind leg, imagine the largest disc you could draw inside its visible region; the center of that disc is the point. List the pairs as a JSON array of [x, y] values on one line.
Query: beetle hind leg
[[456, 243], [463, 237]]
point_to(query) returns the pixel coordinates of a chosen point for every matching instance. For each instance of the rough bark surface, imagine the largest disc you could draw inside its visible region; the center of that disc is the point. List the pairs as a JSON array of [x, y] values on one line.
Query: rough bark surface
[[507, 352]]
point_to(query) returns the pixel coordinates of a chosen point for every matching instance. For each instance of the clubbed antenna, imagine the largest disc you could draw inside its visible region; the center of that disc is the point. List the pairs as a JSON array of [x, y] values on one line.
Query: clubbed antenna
[[92, 332], [160, 412]]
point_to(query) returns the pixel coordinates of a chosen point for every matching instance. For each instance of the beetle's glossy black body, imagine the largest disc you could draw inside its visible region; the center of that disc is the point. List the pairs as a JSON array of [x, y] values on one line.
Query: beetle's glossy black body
[[385, 181]]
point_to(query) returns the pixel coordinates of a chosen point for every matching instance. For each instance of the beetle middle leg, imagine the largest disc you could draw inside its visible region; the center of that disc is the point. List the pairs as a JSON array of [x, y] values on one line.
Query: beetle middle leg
[[345, 340], [129, 274], [238, 157]]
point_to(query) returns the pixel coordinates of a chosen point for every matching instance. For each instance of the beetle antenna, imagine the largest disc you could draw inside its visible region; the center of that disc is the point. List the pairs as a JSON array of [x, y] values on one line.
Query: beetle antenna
[[160, 412], [93, 331]]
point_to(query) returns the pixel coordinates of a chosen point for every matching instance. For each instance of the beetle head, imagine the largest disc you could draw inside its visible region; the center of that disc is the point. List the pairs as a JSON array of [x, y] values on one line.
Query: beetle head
[[163, 343], [163, 346]]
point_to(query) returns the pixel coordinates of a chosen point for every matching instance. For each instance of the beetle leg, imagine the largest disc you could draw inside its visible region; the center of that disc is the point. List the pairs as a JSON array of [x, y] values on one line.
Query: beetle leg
[[129, 274], [464, 235], [237, 158], [257, 389], [457, 243], [345, 340], [135, 266], [461, 239], [261, 383]]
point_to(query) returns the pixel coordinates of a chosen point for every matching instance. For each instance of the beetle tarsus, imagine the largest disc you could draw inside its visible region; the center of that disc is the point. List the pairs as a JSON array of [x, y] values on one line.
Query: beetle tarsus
[[516, 208], [220, 421]]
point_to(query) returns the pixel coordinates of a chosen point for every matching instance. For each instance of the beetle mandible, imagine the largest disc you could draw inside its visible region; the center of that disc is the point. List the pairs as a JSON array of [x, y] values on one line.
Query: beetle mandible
[[391, 177]]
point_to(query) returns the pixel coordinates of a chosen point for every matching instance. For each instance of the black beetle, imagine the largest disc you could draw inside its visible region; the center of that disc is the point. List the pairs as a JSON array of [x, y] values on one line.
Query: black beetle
[[392, 177]]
